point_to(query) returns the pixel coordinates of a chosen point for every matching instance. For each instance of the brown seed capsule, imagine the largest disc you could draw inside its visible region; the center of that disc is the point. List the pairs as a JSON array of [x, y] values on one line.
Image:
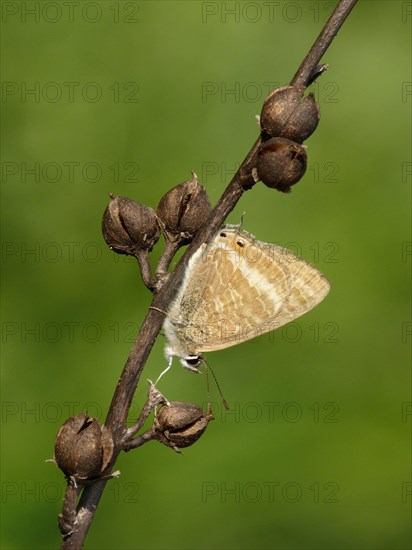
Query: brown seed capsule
[[83, 447], [181, 424], [183, 210], [281, 163], [286, 113], [128, 226]]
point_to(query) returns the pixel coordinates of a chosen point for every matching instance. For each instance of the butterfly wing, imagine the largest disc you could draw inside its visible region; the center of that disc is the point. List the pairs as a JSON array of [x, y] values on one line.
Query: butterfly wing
[[238, 288], [306, 287], [204, 296]]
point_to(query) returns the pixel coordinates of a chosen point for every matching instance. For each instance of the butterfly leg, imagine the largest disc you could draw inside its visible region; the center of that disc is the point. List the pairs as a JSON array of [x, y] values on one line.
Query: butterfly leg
[[169, 364]]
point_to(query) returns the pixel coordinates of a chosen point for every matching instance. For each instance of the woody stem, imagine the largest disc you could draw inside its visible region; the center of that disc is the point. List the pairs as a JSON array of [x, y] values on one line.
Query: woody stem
[[126, 387]]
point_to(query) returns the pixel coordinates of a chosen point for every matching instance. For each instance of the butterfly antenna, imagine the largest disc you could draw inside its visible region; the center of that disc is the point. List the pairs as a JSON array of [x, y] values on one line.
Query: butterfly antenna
[[209, 407], [208, 367]]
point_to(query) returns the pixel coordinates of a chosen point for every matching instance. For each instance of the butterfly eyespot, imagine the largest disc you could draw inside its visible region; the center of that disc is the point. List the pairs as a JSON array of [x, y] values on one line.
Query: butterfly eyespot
[[222, 234], [241, 243]]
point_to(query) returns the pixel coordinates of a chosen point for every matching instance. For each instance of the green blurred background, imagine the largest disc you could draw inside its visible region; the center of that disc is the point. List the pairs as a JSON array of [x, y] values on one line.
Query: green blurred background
[[129, 97]]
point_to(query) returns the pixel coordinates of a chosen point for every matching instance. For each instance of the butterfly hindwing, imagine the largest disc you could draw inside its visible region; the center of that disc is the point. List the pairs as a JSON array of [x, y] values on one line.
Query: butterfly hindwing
[[237, 288]]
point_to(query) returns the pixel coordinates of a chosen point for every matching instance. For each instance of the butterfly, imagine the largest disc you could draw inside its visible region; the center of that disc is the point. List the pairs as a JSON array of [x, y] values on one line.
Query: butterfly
[[236, 288]]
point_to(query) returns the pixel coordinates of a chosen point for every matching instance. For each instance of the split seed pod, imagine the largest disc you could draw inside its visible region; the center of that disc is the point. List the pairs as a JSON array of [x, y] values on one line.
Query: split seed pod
[[183, 210], [129, 226], [180, 424], [83, 447], [281, 163], [287, 114]]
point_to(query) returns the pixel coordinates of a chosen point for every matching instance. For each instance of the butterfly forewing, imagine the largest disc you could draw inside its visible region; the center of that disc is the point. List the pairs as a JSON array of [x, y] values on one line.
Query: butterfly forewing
[[238, 288]]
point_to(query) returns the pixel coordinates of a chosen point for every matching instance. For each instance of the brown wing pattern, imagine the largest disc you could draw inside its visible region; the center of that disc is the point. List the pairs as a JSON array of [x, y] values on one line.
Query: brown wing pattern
[[240, 288]]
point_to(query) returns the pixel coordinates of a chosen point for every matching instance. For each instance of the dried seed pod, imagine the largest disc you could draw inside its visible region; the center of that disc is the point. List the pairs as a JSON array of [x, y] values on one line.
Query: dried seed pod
[[286, 113], [83, 447], [281, 163], [180, 424], [183, 210], [129, 226]]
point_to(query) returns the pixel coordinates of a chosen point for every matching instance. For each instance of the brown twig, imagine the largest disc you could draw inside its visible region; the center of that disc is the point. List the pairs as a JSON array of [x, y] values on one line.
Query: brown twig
[[322, 43], [169, 251], [126, 387], [140, 440], [154, 399], [67, 518], [142, 256]]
